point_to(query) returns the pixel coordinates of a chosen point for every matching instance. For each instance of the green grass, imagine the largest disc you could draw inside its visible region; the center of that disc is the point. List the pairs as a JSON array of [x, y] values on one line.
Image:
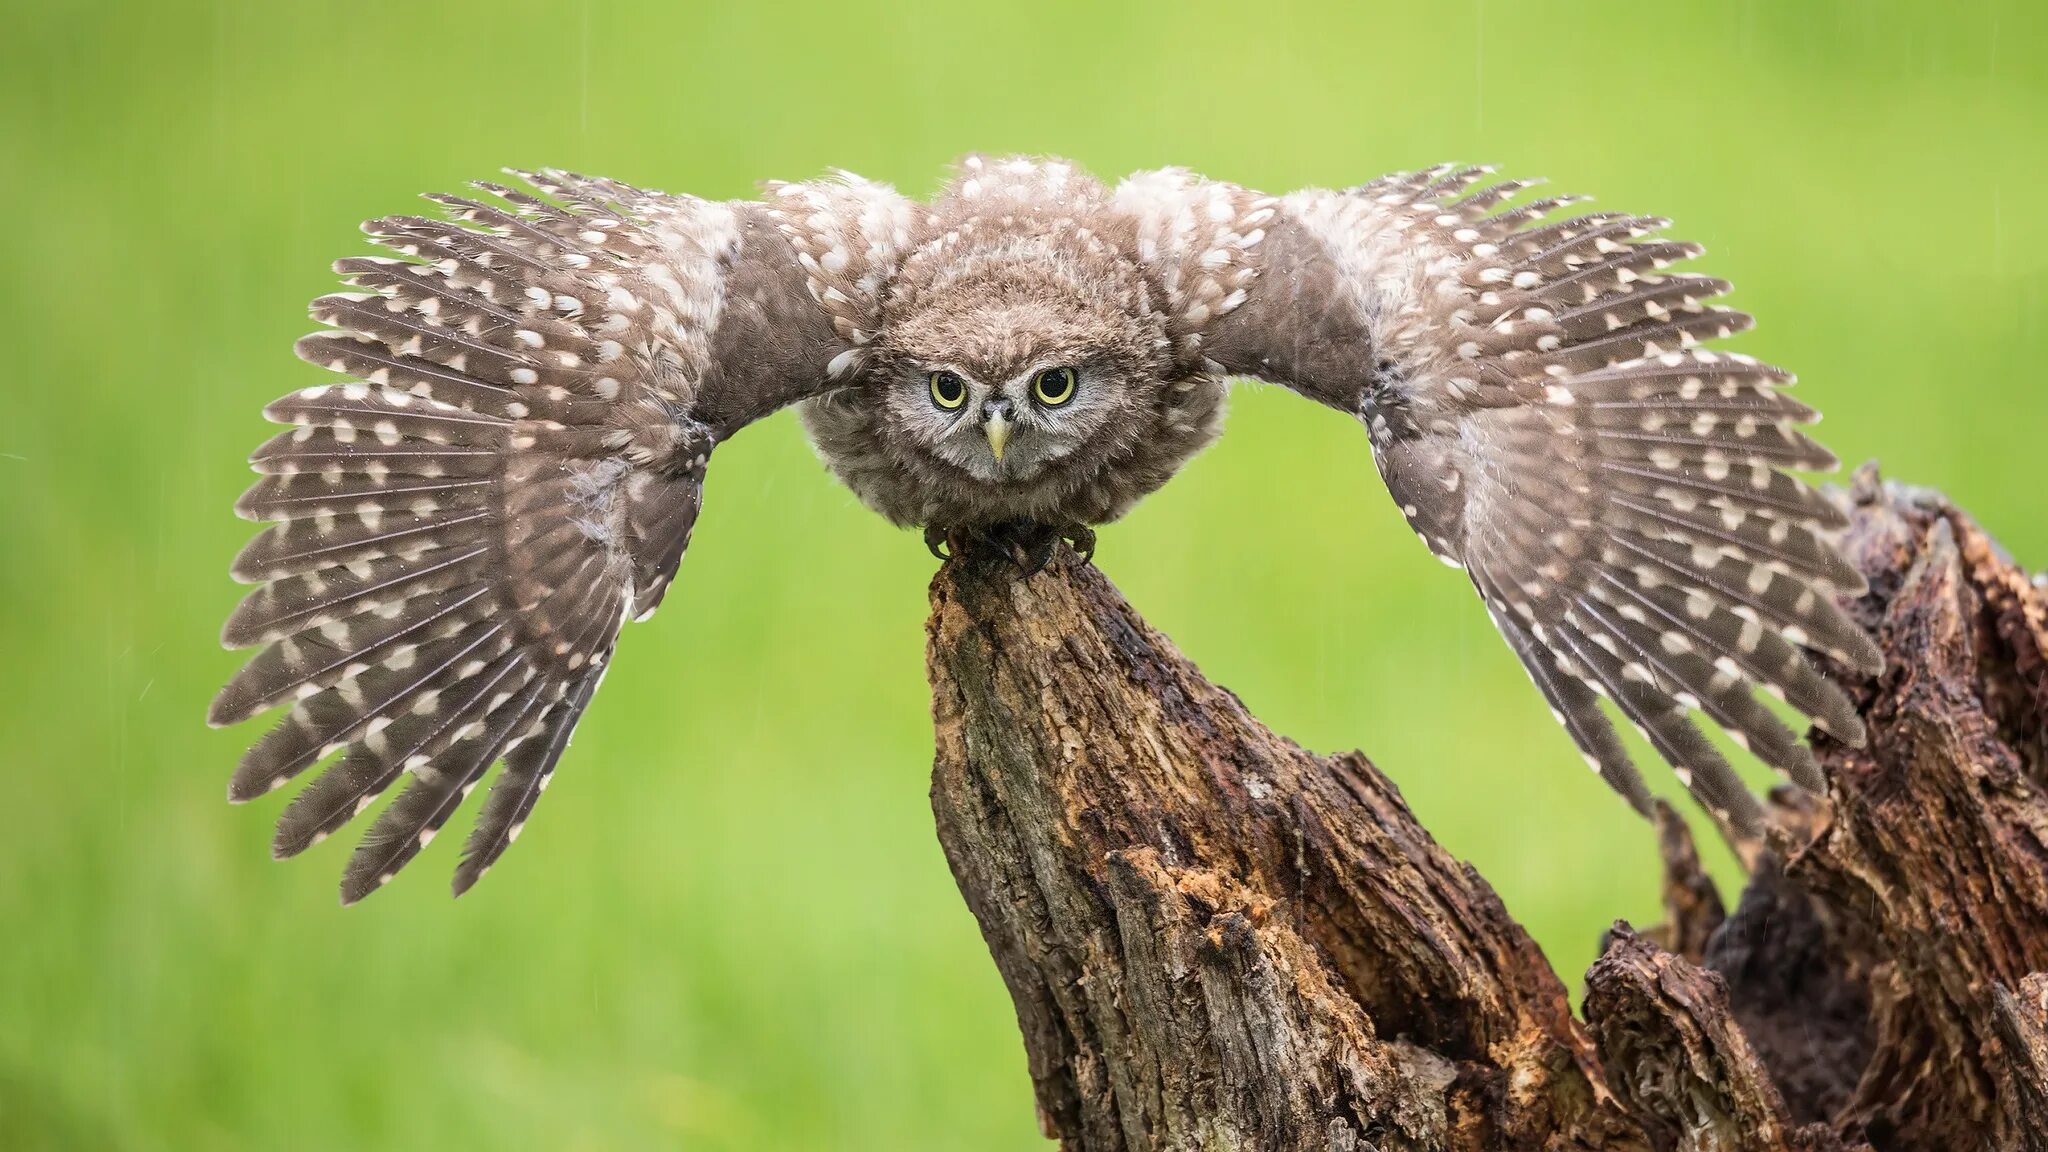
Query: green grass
[[730, 926]]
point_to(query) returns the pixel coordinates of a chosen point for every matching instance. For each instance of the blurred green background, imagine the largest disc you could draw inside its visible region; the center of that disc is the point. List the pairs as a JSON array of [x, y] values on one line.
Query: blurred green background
[[731, 927]]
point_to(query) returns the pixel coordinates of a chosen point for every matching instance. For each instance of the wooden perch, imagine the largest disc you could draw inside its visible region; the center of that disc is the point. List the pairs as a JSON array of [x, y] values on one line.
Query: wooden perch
[[1217, 940]]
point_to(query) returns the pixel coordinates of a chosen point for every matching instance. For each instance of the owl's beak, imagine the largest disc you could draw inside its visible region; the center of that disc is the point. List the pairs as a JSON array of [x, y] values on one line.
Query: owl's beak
[[996, 426]]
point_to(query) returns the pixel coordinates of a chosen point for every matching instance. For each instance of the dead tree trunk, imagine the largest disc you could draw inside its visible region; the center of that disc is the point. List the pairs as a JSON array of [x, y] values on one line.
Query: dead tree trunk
[[1217, 940]]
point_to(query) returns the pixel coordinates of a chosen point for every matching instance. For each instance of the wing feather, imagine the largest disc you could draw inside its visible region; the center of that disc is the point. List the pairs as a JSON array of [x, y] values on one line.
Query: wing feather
[[527, 771], [1548, 412], [458, 532]]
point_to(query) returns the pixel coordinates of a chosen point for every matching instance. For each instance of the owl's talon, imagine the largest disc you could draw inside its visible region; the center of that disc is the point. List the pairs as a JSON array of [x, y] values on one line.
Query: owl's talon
[[935, 542], [1032, 551], [1082, 540], [1028, 545]]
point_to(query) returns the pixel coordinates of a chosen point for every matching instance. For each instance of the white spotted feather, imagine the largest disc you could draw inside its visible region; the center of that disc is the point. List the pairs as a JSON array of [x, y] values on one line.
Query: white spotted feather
[[458, 532], [1547, 413]]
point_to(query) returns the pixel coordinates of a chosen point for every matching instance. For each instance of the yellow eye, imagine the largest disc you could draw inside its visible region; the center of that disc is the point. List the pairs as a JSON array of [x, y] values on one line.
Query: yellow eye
[[948, 391], [1054, 386]]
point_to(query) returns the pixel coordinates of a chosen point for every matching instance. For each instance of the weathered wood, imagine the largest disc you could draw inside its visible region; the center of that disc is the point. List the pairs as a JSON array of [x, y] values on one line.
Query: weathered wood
[[1931, 863], [2021, 1017], [1215, 939], [1804, 1011], [1685, 1069]]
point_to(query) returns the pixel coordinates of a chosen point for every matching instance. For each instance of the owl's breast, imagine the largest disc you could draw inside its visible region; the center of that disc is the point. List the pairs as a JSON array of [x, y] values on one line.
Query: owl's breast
[[1096, 484]]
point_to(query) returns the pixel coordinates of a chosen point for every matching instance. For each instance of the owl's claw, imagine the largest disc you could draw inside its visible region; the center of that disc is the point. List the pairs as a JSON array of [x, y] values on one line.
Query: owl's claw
[[1082, 540], [1028, 545]]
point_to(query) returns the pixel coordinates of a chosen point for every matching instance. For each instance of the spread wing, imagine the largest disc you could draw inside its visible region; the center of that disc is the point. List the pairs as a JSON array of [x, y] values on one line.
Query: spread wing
[[1544, 412], [508, 472]]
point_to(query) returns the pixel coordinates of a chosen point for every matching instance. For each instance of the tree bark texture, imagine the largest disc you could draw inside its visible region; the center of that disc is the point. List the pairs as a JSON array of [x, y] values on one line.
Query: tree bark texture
[[1218, 940]]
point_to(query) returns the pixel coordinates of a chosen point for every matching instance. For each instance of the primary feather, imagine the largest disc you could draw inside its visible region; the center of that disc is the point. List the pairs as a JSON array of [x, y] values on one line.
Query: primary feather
[[513, 471], [1546, 415]]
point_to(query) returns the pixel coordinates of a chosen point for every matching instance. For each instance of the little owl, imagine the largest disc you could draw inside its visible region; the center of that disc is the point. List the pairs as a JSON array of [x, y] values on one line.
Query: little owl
[[511, 468]]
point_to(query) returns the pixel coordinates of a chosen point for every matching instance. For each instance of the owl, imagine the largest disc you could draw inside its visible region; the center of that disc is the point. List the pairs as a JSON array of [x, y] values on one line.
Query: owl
[[533, 384]]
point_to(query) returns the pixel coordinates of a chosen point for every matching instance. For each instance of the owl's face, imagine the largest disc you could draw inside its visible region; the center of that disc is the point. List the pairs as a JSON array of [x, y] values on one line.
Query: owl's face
[[1008, 386]]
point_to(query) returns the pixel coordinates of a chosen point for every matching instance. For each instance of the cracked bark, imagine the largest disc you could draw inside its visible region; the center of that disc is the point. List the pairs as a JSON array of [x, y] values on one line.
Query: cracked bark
[[1215, 939]]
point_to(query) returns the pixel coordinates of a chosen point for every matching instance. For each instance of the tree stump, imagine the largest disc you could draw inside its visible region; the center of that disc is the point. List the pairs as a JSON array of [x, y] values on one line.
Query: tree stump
[[1218, 940]]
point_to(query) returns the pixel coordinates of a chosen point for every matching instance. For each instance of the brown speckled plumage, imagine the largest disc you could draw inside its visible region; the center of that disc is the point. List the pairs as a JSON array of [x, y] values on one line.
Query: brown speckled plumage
[[537, 383]]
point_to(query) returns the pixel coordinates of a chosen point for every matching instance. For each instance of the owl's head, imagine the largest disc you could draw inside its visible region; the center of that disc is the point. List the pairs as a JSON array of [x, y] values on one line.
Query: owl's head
[[1030, 354]]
